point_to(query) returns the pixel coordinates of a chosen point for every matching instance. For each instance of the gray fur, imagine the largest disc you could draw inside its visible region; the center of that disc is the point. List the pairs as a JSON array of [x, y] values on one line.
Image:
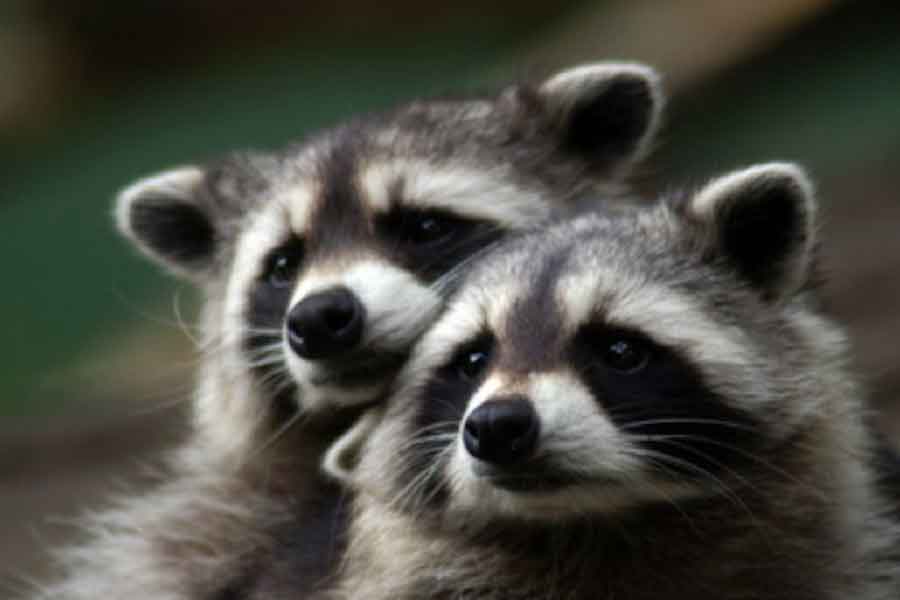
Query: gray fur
[[516, 142], [802, 518], [247, 478]]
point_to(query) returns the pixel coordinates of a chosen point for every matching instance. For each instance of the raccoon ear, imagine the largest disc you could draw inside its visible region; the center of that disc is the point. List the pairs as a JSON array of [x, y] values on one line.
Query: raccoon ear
[[342, 458], [763, 221], [167, 218], [607, 112]]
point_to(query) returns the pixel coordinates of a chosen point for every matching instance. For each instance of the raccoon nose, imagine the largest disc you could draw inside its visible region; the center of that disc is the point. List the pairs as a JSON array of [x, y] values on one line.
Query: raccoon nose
[[325, 324], [502, 431]]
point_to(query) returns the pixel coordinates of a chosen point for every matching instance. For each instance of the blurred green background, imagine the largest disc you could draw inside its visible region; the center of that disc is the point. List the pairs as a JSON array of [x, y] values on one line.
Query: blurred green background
[[94, 94]]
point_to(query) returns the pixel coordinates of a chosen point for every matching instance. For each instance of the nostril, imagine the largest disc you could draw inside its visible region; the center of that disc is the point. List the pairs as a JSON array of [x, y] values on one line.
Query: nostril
[[471, 436]]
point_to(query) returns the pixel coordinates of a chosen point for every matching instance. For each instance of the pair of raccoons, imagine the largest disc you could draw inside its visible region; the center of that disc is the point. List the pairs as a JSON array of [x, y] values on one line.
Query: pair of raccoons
[[444, 358]]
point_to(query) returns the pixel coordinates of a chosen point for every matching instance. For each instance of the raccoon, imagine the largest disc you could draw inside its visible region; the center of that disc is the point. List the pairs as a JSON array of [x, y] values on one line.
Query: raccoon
[[330, 258], [321, 265], [641, 404]]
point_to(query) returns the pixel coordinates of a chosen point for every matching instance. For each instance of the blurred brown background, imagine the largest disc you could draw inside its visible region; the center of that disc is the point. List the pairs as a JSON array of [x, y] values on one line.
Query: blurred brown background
[[97, 369]]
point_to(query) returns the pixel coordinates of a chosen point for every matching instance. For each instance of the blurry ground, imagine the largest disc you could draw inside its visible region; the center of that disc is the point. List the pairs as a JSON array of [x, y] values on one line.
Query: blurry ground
[[94, 382]]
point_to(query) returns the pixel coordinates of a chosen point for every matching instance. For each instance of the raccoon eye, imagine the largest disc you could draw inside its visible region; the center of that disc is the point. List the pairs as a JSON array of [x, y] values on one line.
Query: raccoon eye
[[472, 364], [421, 228], [429, 229], [281, 273], [283, 264], [625, 355]]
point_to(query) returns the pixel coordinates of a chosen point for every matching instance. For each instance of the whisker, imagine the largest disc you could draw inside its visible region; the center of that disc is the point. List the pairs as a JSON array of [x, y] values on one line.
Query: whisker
[[182, 324], [731, 494], [451, 276], [278, 433], [273, 376], [406, 495], [148, 316], [265, 361], [430, 440], [657, 489], [822, 494], [436, 464], [686, 421]]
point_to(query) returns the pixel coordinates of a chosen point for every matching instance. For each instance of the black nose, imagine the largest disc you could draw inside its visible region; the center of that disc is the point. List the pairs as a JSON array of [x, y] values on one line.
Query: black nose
[[502, 431], [326, 324]]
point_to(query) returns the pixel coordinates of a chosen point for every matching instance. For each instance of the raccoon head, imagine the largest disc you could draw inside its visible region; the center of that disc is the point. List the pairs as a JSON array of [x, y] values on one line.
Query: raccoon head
[[325, 262], [613, 361]]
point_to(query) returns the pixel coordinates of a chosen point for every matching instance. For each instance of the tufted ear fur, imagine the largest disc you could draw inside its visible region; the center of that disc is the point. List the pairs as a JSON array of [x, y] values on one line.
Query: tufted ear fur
[[181, 218], [607, 112], [165, 216], [762, 221]]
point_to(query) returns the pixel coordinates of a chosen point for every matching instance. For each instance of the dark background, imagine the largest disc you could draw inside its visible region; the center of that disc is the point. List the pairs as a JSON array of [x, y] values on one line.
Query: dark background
[[96, 368]]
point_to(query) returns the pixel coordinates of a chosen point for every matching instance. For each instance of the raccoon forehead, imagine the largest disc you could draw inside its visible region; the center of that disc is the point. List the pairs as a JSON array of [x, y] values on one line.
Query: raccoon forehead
[[481, 193], [268, 227], [439, 111], [666, 314], [287, 208], [468, 317], [294, 204]]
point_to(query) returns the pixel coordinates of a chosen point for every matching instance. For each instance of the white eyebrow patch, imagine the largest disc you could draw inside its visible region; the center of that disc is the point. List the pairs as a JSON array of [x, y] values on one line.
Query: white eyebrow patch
[[462, 321], [297, 201], [476, 193], [267, 229], [666, 315]]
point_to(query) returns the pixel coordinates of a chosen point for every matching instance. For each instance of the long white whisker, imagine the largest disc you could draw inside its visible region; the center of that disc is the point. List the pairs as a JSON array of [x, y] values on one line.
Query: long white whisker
[[450, 277], [686, 421], [727, 490], [278, 433], [760, 461], [182, 324]]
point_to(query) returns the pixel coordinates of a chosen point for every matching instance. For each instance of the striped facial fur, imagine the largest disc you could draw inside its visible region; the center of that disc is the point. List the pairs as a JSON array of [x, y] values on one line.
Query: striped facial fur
[[325, 262], [654, 356]]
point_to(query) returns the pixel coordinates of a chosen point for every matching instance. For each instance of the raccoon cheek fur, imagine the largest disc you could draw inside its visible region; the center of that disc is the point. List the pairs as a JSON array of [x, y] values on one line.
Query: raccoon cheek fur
[[635, 404]]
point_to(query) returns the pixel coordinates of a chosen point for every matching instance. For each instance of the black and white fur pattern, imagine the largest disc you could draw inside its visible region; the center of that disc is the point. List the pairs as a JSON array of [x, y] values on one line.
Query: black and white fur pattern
[[693, 432], [356, 207], [344, 206]]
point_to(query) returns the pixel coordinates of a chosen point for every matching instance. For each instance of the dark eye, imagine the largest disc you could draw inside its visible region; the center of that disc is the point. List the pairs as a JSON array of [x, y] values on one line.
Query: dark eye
[[427, 228], [472, 364], [625, 355], [283, 264]]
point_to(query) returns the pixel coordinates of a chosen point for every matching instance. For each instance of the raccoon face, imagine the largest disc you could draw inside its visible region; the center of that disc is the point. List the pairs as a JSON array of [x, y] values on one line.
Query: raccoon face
[[324, 263], [612, 361]]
